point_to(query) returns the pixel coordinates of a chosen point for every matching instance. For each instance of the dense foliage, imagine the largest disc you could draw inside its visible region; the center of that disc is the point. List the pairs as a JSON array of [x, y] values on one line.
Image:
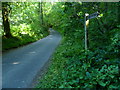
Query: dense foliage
[[72, 66], [25, 24]]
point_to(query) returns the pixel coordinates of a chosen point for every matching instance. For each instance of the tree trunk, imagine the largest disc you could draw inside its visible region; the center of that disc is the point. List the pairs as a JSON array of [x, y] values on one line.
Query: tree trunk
[[41, 12], [6, 24]]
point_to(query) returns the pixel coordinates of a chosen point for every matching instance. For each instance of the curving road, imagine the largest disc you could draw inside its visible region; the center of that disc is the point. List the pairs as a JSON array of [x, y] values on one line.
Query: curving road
[[20, 66]]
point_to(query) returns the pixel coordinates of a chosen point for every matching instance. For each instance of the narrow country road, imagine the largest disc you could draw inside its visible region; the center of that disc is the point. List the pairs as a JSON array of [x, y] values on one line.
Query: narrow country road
[[21, 65]]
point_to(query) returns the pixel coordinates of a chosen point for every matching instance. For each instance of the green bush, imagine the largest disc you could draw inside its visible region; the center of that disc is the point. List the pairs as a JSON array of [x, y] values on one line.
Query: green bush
[[71, 68]]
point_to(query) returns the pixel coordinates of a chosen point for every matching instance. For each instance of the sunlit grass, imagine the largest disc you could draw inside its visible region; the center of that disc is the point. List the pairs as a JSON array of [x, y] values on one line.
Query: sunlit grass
[[22, 35]]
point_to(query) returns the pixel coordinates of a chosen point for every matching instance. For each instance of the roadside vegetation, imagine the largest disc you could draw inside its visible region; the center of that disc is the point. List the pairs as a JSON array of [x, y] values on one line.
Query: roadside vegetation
[[72, 66], [22, 24]]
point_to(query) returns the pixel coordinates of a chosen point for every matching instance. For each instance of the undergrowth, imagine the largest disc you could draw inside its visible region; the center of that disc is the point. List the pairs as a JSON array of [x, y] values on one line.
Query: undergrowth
[[20, 40], [73, 68]]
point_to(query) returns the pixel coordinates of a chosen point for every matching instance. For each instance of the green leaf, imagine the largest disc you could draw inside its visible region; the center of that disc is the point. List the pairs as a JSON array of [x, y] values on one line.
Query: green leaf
[[81, 77], [88, 75], [111, 76], [62, 86], [111, 86], [102, 83]]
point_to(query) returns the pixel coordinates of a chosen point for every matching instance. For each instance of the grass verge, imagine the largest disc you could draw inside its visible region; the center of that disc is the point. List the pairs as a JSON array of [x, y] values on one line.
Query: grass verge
[[14, 42]]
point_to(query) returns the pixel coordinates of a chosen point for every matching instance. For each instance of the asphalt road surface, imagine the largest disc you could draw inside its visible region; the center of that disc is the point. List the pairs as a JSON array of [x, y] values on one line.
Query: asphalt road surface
[[21, 65]]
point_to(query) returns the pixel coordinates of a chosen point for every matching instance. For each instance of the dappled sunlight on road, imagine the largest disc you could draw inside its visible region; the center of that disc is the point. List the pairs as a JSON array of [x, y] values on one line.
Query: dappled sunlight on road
[[16, 63], [32, 52], [50, 38], [23, 64]]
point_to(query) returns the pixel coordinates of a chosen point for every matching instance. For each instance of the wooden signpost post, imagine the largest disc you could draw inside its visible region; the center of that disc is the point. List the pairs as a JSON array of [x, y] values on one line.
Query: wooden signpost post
[[87, 17]]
